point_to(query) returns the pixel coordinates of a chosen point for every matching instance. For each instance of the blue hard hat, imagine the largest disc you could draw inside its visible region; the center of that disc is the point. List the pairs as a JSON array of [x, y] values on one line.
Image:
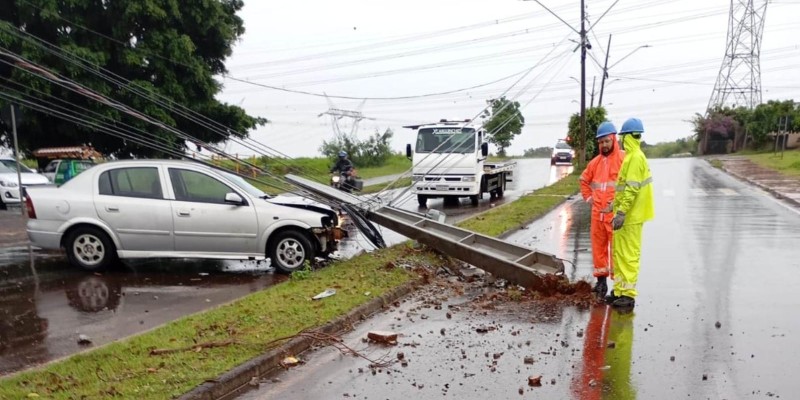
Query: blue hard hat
[[605, 129], [632, 125], [342, 153]]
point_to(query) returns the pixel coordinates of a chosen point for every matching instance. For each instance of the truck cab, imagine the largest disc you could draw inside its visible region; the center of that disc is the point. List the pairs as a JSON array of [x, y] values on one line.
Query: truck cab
[[62, 170], [449, 161]]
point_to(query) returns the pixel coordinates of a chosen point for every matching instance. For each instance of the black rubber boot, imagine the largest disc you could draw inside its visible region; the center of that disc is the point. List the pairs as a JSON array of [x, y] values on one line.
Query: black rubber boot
[[601, 287], [624, 302], [611, 298]]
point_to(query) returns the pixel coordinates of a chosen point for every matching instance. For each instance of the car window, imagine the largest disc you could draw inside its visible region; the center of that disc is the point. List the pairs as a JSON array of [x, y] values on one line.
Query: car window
[[131, 182], [81, 166], [12, 165], [197, 187], [563, 146], [51, 167]]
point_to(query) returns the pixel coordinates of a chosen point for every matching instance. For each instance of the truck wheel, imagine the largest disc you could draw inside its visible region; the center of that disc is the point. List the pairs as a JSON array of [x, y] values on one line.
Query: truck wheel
[[289, 250], [90, 248], [422, 200], [474, 199], [499, 192]]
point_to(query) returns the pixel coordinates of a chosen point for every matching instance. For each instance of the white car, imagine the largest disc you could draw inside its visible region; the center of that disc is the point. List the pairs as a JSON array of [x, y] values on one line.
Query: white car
[[176, 209], [9, 182]]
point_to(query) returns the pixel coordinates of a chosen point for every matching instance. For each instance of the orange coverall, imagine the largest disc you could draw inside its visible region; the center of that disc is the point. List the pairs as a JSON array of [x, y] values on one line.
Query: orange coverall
[[598, 182]]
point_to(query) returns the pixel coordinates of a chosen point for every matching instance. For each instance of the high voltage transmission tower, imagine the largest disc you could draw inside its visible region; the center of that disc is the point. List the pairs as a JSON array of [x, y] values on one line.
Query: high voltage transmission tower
[[337, 114], [739, 79]]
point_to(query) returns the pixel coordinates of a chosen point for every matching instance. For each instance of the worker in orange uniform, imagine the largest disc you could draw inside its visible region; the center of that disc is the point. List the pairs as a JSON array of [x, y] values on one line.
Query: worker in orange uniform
[[597, 187]]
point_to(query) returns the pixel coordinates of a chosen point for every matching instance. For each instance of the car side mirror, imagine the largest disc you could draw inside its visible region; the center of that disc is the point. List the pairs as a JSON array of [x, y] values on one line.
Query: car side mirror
[[233, 198], [408, 150], [484, 149]]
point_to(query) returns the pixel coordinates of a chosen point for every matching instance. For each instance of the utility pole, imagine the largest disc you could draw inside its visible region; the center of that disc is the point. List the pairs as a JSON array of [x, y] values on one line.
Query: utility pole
[[582, 150], [591, 103], [605, 73], [16, 157]]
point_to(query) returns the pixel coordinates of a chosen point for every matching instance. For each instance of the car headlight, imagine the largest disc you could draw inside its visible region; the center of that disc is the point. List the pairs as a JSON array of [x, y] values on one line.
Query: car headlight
[[468, 179], [335, 179], [8, 184]]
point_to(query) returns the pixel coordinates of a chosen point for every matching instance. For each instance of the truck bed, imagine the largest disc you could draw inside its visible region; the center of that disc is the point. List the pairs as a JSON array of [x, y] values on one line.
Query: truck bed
[[501, 166]]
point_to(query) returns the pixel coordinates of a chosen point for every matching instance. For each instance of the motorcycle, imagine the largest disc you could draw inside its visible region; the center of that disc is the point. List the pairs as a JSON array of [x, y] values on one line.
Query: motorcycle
[[347, 181]]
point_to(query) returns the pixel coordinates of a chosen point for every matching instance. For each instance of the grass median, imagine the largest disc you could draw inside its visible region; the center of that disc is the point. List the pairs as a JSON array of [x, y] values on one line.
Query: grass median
[[789, 164], [241, 330]]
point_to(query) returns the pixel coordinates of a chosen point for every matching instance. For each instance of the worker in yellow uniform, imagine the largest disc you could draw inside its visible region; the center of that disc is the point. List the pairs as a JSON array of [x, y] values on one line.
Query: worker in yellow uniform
[[633, 205]]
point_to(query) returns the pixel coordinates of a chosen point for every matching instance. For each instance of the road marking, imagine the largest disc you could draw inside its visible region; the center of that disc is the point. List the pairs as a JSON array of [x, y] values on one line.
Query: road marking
[[697, 192], [728, 192]]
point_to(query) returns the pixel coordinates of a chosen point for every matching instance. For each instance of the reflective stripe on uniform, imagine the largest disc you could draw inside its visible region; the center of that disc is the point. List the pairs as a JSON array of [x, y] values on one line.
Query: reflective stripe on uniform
[[601, 270], [602, 185], [635, 184], [627, 285]]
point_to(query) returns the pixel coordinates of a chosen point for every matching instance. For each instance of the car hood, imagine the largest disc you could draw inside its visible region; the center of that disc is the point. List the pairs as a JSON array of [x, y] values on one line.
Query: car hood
[[305, 204], [28, 178]]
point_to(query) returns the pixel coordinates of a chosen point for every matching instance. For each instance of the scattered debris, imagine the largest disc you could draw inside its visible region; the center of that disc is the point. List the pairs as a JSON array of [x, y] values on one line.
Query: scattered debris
[[521, 391], [705, 377], [672, 358], [718, 325], [400, 355], [196, 347], [528, 360], [611, 345], [327, 293], [383, 337], [442, 331], [485, 329], [84, 340], [290, 361], [535, 380]]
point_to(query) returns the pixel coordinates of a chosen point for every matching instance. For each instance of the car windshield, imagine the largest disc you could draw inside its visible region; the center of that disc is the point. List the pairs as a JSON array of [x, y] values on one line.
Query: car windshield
[[243, 184], [446, 140], [12, 165], [562, 145]]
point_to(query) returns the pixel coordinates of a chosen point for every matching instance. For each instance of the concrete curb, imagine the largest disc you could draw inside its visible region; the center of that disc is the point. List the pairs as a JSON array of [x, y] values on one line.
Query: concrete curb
[[762, 186], [234, 381]]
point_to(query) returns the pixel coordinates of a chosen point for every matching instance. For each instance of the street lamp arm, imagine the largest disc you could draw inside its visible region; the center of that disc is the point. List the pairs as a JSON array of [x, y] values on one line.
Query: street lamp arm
[[628, 55]]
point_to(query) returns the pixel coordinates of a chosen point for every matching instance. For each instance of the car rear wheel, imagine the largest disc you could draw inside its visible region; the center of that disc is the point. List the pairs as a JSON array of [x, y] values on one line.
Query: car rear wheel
[[289, 250], [90, 248], [422, 200], [3, 205]]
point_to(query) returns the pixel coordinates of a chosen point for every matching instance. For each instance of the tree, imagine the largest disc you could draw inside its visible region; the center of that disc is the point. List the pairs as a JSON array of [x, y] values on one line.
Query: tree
[[539, 152], [594, 117], [364, 153], [168, 47], [766, 118], [505, 122]]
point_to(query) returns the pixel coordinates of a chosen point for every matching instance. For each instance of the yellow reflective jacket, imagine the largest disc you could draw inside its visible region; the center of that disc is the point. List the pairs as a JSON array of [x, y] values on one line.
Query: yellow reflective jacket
[[634, 191]]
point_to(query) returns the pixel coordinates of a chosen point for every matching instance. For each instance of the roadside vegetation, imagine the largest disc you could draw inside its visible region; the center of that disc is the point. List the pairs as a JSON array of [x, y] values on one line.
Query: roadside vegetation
[[249, 326], [789, 164], [685, 147]]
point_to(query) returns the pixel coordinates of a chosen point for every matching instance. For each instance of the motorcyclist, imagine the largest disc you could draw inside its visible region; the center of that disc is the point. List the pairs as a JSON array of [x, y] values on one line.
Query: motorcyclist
[[343, 164], [345, 168]]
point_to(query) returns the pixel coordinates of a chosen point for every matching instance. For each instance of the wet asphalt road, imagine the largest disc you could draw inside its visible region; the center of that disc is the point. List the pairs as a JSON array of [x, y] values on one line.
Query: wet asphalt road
[[716, 316], [45, 304]]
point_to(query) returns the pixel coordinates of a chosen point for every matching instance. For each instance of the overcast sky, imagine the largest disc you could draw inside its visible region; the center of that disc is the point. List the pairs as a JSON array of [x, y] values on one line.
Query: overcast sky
[[379, 49]]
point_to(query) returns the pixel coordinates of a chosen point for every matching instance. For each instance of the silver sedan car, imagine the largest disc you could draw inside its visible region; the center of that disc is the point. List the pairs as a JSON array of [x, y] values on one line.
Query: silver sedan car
[[177, 209]]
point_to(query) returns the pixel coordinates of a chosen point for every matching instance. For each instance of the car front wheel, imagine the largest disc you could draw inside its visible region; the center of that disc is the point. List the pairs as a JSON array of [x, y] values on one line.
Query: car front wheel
[[289, 250], [90, 248]]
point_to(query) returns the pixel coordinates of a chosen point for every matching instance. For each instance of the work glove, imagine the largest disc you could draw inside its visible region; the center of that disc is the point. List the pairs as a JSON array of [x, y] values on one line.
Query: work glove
[[618, 220]]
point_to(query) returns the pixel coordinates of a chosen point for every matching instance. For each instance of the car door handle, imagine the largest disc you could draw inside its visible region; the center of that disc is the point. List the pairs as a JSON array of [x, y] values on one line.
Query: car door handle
[[112, 208], [183, 213]]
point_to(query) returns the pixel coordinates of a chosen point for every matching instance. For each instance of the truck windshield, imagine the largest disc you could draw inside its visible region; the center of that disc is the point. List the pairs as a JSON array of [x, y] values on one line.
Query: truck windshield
[[435, 140], [12, 165]]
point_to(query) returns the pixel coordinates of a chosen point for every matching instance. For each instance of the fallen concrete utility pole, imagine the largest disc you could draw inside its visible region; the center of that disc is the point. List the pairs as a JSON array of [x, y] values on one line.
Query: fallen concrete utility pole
[[517, 264]]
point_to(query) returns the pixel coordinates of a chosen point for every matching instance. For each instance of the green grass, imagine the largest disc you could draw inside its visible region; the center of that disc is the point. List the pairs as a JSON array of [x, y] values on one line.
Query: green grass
[[126, 368], [715, 163], [788, 165], [403, 182], [522, 211]]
